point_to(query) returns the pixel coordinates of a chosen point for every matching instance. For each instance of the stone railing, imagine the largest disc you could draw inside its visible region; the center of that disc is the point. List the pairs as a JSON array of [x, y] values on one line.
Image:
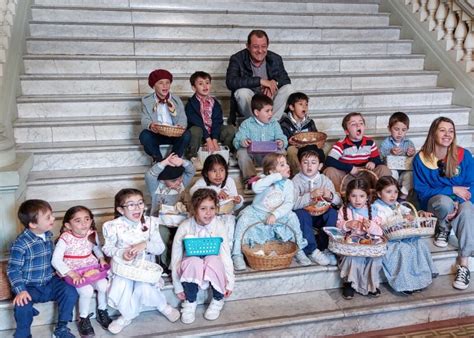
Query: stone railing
[[7, 13], [452, 20]]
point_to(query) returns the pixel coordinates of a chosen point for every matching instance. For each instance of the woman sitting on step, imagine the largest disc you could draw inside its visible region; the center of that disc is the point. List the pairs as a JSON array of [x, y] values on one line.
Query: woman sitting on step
[[443, 177]]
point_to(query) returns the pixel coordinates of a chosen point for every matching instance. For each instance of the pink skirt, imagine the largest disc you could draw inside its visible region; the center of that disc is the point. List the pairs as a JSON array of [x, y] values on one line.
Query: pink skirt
[[203, 271]]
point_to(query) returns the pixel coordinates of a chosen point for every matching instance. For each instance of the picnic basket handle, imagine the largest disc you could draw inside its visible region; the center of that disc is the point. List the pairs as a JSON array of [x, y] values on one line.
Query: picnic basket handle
[[411, 206]]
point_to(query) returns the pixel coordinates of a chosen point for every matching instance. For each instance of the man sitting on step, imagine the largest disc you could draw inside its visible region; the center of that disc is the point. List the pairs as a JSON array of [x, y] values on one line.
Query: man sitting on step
[[253, 70]]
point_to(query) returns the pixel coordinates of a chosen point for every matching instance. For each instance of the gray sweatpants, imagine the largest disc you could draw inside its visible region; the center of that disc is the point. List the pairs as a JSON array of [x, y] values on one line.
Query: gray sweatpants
[[463, 224]]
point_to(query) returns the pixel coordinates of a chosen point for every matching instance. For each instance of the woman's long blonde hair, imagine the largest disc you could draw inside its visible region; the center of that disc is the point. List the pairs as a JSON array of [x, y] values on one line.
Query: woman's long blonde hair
[[428, 148]]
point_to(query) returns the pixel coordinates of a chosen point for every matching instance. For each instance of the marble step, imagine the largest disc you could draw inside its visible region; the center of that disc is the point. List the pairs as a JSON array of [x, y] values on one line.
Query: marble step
[[217, 31], [89, 84], [86, 158], [201, 16], [167, 47], [91, 105], [289, 6], [107, 65], [321, 312], [102, 128]]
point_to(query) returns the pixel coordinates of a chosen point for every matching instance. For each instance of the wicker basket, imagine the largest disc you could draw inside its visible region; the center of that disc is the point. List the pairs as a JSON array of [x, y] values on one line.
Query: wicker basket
[[170, 131], [319, 208], [285, 251], [309, 137], [355, 249], [365, 174], [5, 291], [226, 207], [402, 228], [139, 270]]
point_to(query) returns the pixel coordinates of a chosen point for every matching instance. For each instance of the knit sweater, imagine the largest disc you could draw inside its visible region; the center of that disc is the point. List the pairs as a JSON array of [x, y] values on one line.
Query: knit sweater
[[303, 185], [255, 130]]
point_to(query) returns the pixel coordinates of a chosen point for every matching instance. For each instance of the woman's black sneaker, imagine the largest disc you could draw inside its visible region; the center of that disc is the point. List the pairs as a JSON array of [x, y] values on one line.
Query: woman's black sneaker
[[347, 291], [374, 294], [103, 318], [85, 327]]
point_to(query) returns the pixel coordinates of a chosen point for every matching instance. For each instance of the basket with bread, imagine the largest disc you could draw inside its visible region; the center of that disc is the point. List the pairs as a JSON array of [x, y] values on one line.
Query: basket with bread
[[318, 208], [172, 215], [89, 274], [357, 242]]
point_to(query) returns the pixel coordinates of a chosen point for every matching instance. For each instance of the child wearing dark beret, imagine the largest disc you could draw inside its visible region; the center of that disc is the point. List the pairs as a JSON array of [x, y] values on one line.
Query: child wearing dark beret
[[166, 182], [162, 108]]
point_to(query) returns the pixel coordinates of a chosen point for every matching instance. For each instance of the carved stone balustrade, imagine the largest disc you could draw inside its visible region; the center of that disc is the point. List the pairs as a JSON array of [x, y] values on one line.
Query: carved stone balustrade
[[453, 22]]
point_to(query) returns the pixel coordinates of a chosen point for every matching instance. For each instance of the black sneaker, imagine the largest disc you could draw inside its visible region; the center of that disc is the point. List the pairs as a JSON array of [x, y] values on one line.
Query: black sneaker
[[441, 239], [103, 318], [347, 291], [85, 327], [407, 293], [374, 294], [463, 276]]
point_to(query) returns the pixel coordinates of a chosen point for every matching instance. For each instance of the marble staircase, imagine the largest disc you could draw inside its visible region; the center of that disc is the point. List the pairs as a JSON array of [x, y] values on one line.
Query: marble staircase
[[85, 70]]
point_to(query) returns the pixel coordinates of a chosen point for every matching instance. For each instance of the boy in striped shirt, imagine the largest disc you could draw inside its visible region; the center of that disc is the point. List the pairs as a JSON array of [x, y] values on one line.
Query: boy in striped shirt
[[354, 152]]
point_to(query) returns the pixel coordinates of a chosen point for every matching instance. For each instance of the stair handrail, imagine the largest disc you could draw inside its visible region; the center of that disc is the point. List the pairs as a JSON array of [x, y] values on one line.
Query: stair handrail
[[452, 20]]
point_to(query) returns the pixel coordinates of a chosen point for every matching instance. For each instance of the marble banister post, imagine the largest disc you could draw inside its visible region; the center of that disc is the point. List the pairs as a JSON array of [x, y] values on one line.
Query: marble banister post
[[459, 34], [423, 10], [441, 14], [432, 7], [450, 25]]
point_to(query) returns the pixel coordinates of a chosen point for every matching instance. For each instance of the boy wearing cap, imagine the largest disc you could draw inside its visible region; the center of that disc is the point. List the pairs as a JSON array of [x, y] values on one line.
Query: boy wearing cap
[[166, 182], [162, 107], [311, 187]]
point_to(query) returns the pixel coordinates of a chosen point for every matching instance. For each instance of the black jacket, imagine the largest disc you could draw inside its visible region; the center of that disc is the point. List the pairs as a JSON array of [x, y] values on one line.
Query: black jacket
[[239, 75], [290, 129], [193, 113]]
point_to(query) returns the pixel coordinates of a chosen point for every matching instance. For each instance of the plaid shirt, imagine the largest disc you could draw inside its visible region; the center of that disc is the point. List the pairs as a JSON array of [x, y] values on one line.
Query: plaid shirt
[[30, 261]]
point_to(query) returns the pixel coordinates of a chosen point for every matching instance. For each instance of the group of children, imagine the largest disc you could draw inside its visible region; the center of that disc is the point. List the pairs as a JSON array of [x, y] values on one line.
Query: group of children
[[278, 210]]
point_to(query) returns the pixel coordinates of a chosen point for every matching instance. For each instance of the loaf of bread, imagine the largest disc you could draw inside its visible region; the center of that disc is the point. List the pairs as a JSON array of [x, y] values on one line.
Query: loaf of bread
[[91, 273]]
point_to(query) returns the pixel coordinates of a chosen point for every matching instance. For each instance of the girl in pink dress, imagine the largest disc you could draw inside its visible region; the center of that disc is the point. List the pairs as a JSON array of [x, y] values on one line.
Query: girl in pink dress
[[192, 272], [78, 247]]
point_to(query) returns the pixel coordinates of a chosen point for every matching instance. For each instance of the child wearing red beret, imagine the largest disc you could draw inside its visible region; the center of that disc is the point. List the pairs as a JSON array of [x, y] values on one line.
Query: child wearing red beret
[[162, 107]]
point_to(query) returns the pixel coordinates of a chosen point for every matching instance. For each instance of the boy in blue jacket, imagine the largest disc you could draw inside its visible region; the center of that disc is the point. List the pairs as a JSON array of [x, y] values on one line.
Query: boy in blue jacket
[[205, 118]]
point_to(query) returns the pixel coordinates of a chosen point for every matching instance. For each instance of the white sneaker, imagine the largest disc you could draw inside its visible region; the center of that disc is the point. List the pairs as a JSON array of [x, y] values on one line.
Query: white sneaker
[[188, 312], [118, 325], [232, 161], [319, 258], [171, 313], [214, 309], [302, 259], [196, 163], [331, 256]]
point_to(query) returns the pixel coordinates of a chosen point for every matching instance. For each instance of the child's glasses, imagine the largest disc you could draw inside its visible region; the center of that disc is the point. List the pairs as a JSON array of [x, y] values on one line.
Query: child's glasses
[[133, 206]]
